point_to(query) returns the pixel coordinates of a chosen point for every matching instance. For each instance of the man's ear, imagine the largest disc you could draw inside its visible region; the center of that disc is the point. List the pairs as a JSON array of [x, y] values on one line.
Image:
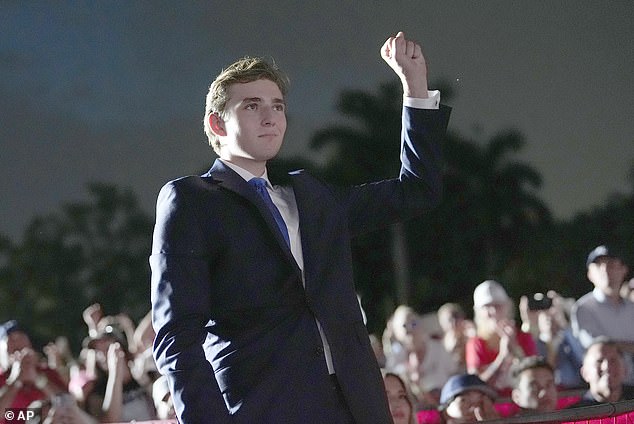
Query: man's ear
[[217, 125]]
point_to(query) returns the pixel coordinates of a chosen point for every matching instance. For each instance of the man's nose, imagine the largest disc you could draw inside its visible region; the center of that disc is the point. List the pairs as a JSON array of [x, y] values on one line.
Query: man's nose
[[267, 117]]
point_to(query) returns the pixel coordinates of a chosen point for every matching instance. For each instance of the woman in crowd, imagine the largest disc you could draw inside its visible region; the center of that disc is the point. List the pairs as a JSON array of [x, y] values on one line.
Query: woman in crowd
[[418, 357], [401, 405], [456, 331]]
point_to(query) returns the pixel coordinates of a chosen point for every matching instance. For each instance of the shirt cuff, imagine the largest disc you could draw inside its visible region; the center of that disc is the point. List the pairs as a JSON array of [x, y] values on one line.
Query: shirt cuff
[[431, 102]]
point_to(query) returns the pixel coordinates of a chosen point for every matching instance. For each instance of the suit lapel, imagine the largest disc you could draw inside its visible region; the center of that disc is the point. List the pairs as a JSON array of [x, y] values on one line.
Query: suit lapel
[[313, 224], [228, 179]]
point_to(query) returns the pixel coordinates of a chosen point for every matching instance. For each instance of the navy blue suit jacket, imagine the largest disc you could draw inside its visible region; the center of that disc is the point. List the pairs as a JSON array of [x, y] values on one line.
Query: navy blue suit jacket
[[235, 328]]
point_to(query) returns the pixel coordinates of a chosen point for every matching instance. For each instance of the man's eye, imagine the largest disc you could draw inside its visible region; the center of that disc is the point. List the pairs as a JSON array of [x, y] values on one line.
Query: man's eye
[[251, 106], [279, 108]]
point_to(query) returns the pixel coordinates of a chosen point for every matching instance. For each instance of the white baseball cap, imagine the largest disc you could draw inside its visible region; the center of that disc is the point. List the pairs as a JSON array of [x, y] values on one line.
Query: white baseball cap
[[489, 292]]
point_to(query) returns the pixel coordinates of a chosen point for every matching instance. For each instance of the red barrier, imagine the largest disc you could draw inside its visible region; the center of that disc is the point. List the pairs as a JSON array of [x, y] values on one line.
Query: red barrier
[[608, 413], [626, 418]]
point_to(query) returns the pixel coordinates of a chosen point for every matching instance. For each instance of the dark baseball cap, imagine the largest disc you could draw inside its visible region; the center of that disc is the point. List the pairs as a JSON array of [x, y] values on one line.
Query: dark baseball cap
[[601, 252], [458, 384], [109, 332]]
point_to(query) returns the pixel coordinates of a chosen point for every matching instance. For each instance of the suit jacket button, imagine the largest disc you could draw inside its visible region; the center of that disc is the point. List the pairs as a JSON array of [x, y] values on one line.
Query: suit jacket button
[[319, 351]]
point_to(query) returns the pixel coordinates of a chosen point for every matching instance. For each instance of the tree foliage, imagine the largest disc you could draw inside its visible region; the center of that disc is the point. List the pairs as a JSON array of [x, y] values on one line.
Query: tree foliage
[[90, 251]]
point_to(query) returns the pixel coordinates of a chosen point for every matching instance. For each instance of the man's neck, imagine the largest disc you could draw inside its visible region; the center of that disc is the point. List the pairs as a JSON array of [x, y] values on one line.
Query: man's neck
[[612, 296], [257, 168]]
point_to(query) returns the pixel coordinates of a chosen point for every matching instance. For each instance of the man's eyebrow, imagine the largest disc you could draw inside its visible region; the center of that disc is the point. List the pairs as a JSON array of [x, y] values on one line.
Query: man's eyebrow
[[259, 100]]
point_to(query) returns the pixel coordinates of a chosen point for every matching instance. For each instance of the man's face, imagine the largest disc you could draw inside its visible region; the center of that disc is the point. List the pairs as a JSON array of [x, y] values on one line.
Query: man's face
[[536, 390], [16, 341], [451, 321], [495, 311], [607, 273], [252, 128], [604, 370], [463, 407], [408, 329], [490, 315]]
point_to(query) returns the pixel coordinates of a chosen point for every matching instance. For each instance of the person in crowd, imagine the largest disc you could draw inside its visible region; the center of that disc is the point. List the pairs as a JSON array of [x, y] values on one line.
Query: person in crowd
[[456, 331], [605, 372], [393, 350], [465, 398], [498, 342], [59, 357], [96, 320], [83, 378], [534, 388], [60, 409], [402, 408], [143, 366], [116, 395], [24, 374], [545, 317], [252, 288], [424, 363], [603, 312]]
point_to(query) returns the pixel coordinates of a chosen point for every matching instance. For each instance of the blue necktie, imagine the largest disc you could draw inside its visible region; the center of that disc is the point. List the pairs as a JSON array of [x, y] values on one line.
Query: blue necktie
[[260, 186]]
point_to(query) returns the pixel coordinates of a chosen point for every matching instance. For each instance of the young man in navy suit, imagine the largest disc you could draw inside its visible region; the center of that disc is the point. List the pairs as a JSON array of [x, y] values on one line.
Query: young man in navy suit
[[253, 299]]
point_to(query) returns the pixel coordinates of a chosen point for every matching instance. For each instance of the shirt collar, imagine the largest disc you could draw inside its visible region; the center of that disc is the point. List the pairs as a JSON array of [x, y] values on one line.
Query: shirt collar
[[246, 175]]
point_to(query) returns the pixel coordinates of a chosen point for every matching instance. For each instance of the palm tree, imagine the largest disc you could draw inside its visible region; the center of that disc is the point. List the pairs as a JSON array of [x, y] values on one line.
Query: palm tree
[[494, 196], [369, 147]]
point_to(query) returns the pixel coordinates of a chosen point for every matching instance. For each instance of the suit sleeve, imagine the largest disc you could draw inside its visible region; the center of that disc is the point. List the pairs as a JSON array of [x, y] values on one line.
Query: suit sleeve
[[180, 309], [419, 185], [423, 131]]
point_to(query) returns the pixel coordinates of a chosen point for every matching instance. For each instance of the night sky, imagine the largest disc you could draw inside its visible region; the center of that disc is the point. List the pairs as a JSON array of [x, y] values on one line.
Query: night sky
[[114, 91]]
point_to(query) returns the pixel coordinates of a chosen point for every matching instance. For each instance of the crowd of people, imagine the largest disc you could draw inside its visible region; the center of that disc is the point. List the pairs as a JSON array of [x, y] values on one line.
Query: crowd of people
[[538, 355], [443, 368], [112, 379]]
